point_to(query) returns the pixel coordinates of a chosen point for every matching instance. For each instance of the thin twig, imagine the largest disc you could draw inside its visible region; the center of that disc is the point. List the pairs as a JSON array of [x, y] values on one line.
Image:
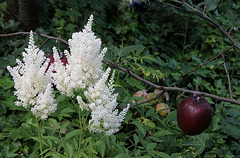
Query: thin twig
[[40, 47], [229, 32], [228, 77], [224, 51], [203, 15], [147, 101], [27, 33], [169, 4]]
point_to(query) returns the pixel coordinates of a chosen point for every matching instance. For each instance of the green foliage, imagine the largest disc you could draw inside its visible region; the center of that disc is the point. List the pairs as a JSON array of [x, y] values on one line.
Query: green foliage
[[161, 44]]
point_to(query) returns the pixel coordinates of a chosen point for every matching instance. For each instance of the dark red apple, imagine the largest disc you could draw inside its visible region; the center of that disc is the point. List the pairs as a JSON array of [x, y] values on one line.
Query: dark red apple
[[62, 58], [64, 62], [194, 115]]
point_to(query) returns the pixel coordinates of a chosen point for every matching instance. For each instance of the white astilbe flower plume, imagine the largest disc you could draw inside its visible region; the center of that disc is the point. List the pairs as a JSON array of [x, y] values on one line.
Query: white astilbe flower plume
[[45, 104], [103, 103], [84, 66], [30, 77]]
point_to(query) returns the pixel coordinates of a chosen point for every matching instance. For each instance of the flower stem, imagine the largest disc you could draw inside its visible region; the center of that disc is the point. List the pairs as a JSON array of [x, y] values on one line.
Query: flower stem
[[80, 124], [40, 137], [81, 131]]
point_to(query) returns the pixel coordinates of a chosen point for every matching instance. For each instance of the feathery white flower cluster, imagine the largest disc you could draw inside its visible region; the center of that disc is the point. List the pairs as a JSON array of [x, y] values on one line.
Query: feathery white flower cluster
[[83, 71], [84, 66], [102, 103], [32, 83]]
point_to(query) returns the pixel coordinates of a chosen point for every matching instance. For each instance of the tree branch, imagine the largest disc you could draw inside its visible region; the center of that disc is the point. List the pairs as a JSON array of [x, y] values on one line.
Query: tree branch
[[203, 15], [147, 101], [138, 77], [35, 33], [224, 51], [229, 80], [171, 88]]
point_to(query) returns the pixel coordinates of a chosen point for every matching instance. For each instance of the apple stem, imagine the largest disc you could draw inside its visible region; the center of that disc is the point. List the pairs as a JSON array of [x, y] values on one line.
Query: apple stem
[[197, 98]]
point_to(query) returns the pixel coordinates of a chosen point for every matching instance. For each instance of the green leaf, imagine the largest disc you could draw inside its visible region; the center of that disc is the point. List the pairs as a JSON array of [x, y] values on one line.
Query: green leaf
[[101, 148], [210, 4], [156, 139], [140, 127], [83, 155], [67, 111], [6, 83], [44, 151], [163, 155], [64, 126], [126, 50], [135, 138], [196, 59], [161, 133], [149, 57], [54, 123], [176, 155], [122, 155], [61, 98], [72, 134], [150, 112], [4, 62], [151, 146], [198, 142], [55, 139], [69, 150]]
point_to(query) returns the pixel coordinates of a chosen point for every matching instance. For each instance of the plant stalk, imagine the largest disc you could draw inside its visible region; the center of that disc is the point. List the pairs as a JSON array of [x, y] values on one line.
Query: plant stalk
[[40, 137]]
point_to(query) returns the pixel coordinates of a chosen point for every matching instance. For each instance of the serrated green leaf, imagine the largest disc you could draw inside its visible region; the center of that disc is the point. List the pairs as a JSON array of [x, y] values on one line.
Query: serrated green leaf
[[198, 142], [83, 155], [64, 126], [161, 133], [149, 57], [163, 155], [55, 139], [151, 146], [54, 123], [126, 50], [61, 98], [211, 4], [4, 62], [135, 138], [6, 83], [101, 147], [122, 155], [72, 134], [140, 127], [156, 139], [69, 150]]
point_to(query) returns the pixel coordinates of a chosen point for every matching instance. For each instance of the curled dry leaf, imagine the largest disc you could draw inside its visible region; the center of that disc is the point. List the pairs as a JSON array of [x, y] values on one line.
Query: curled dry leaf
[[164, 95], [141, 93]]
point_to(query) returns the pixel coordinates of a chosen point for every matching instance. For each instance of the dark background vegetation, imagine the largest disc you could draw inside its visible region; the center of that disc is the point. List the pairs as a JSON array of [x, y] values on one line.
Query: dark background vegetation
[[160, 43]]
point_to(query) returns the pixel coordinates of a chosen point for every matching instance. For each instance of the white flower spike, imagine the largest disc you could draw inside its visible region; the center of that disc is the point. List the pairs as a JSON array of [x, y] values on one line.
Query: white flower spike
[[84, 66], [103, 103], [31, 80]]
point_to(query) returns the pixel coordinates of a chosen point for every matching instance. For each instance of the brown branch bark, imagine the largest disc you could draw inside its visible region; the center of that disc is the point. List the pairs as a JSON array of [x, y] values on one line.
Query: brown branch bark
[[34, 33]]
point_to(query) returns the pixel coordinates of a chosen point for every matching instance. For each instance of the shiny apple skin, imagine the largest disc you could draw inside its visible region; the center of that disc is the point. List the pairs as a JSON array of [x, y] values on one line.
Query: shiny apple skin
[[194, 115]]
